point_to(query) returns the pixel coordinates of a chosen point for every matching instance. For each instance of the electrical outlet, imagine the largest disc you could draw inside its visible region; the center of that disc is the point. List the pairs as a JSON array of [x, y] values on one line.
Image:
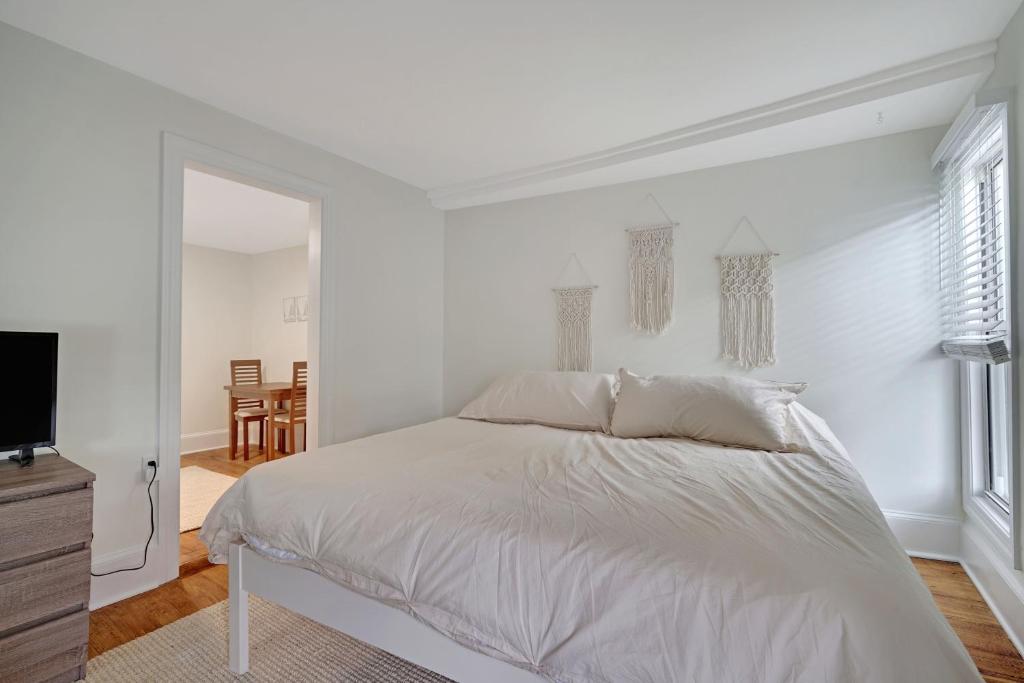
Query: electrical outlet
[[147, 469]]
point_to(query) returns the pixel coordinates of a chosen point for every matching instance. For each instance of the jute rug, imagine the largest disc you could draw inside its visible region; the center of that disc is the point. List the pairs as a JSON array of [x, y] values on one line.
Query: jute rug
[[200, 489], [283, 647]]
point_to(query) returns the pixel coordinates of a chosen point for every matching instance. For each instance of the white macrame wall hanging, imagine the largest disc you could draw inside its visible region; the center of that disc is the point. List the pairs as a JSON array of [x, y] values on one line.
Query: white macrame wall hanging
[[651, 278], [651, 274], [574, 347], [573, 304], [748, 305]]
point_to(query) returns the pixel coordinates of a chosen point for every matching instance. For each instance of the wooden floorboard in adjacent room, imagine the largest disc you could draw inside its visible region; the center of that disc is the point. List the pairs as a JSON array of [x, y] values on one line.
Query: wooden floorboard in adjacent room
[[218, 460]]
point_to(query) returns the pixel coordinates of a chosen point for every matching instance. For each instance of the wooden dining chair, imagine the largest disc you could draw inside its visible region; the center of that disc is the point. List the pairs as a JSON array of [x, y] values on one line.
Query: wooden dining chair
[[248, 410], [296, 413]]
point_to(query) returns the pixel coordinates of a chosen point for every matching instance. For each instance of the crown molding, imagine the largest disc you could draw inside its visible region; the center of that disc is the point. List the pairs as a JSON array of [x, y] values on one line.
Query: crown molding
[[972, 60]]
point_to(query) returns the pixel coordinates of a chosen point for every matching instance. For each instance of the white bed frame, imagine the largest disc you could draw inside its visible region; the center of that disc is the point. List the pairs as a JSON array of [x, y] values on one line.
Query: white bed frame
[[311, 595]]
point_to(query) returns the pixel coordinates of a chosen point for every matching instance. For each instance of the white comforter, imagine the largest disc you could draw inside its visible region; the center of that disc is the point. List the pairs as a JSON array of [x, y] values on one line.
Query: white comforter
[[586, 557]]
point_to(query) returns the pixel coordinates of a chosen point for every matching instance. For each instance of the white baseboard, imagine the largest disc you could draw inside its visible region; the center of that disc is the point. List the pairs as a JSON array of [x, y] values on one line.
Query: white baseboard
[[999, 583], [204, 441], [218, 438], [109, 589], [934, 537]]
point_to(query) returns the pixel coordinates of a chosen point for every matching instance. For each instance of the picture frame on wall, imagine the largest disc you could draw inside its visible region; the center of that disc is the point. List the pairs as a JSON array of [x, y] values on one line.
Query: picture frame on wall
[[290, 309]]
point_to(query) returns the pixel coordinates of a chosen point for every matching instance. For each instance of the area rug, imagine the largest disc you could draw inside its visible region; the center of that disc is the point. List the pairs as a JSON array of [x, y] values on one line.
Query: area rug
[[200, 489], [283, 647]]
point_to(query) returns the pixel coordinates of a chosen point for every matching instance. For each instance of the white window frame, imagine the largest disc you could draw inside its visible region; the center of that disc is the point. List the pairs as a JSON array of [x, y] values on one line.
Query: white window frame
[[978, 503], [1003, 525], [998, 402]]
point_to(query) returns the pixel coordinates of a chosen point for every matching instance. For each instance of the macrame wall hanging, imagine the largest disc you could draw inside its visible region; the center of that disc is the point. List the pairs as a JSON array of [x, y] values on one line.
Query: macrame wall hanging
[[748, 304], [651, 278], [651, 274], [573, 297]]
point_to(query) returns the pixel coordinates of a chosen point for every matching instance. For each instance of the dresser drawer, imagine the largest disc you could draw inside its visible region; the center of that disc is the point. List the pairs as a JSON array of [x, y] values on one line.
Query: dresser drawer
[[54, 651], [37, 525], [42, 590]]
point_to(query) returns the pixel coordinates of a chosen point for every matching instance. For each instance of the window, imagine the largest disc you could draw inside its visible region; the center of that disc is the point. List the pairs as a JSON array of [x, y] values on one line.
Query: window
[[972, 241], [989, 186], [986, 182], [997, 436], [975, 292]]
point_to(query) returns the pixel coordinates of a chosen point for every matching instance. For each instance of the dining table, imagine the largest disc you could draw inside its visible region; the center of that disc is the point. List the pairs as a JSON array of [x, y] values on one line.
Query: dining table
[[273, 394]]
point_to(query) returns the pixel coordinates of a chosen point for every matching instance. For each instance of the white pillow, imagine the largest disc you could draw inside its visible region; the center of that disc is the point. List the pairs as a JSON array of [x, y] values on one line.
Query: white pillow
[[737, 411], [571, 400]]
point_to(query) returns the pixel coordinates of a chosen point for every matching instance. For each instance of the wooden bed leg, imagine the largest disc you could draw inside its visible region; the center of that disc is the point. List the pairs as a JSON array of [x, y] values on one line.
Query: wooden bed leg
[[238, 613]]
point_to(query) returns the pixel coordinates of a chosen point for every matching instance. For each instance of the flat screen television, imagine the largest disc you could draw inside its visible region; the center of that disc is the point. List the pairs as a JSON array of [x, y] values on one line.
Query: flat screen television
[[28, 415]]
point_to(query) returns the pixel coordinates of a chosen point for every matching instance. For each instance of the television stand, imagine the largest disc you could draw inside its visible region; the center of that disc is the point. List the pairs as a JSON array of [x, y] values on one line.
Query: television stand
[[46, 527], [24, 457]]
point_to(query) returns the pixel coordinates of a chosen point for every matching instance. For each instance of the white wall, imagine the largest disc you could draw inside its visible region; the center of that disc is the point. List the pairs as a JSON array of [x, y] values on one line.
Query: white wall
[[275, 275], [79, 253], [216, 326], [856, 295]]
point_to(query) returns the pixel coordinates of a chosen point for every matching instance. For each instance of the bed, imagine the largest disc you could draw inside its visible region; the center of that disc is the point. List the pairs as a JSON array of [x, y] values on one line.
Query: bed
[[515, 553]]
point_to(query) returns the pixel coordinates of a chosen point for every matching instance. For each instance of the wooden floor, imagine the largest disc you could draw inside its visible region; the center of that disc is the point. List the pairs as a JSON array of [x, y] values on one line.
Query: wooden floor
[[116, 624], [954, 593], [969, 615], [192, 554]]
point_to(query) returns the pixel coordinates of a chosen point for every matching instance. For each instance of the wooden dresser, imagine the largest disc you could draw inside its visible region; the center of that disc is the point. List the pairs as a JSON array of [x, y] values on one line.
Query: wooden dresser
[[45, 537]]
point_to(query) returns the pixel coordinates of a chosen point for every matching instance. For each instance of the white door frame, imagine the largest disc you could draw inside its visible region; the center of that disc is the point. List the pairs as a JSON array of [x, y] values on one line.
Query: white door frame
[[178, 154]]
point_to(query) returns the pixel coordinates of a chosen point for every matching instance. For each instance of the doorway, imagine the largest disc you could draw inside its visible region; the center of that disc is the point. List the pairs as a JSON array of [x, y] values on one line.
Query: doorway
[[244, 318], [235, 295]]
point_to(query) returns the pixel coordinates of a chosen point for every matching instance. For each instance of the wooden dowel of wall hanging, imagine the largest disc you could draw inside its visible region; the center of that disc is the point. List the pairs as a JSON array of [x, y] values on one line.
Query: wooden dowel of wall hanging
[[640, 228]]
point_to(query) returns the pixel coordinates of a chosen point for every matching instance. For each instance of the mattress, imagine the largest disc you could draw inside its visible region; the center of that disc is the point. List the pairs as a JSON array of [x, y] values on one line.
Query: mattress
[[584, 557]]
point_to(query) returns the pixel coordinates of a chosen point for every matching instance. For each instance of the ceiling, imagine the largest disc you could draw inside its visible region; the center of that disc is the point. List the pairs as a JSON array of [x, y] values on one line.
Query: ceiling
[[224, 214], [452, 94]]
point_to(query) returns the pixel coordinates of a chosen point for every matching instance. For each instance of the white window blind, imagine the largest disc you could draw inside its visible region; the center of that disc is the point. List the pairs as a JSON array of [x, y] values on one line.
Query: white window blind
[[972, 243]]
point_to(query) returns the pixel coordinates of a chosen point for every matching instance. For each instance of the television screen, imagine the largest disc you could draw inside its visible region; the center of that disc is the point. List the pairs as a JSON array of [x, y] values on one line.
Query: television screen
[[28, 416]]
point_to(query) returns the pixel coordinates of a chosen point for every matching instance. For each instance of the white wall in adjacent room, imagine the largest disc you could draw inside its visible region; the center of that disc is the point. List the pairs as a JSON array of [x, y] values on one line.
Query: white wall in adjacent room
[[856, 295], [216, 326], [275, 275]]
